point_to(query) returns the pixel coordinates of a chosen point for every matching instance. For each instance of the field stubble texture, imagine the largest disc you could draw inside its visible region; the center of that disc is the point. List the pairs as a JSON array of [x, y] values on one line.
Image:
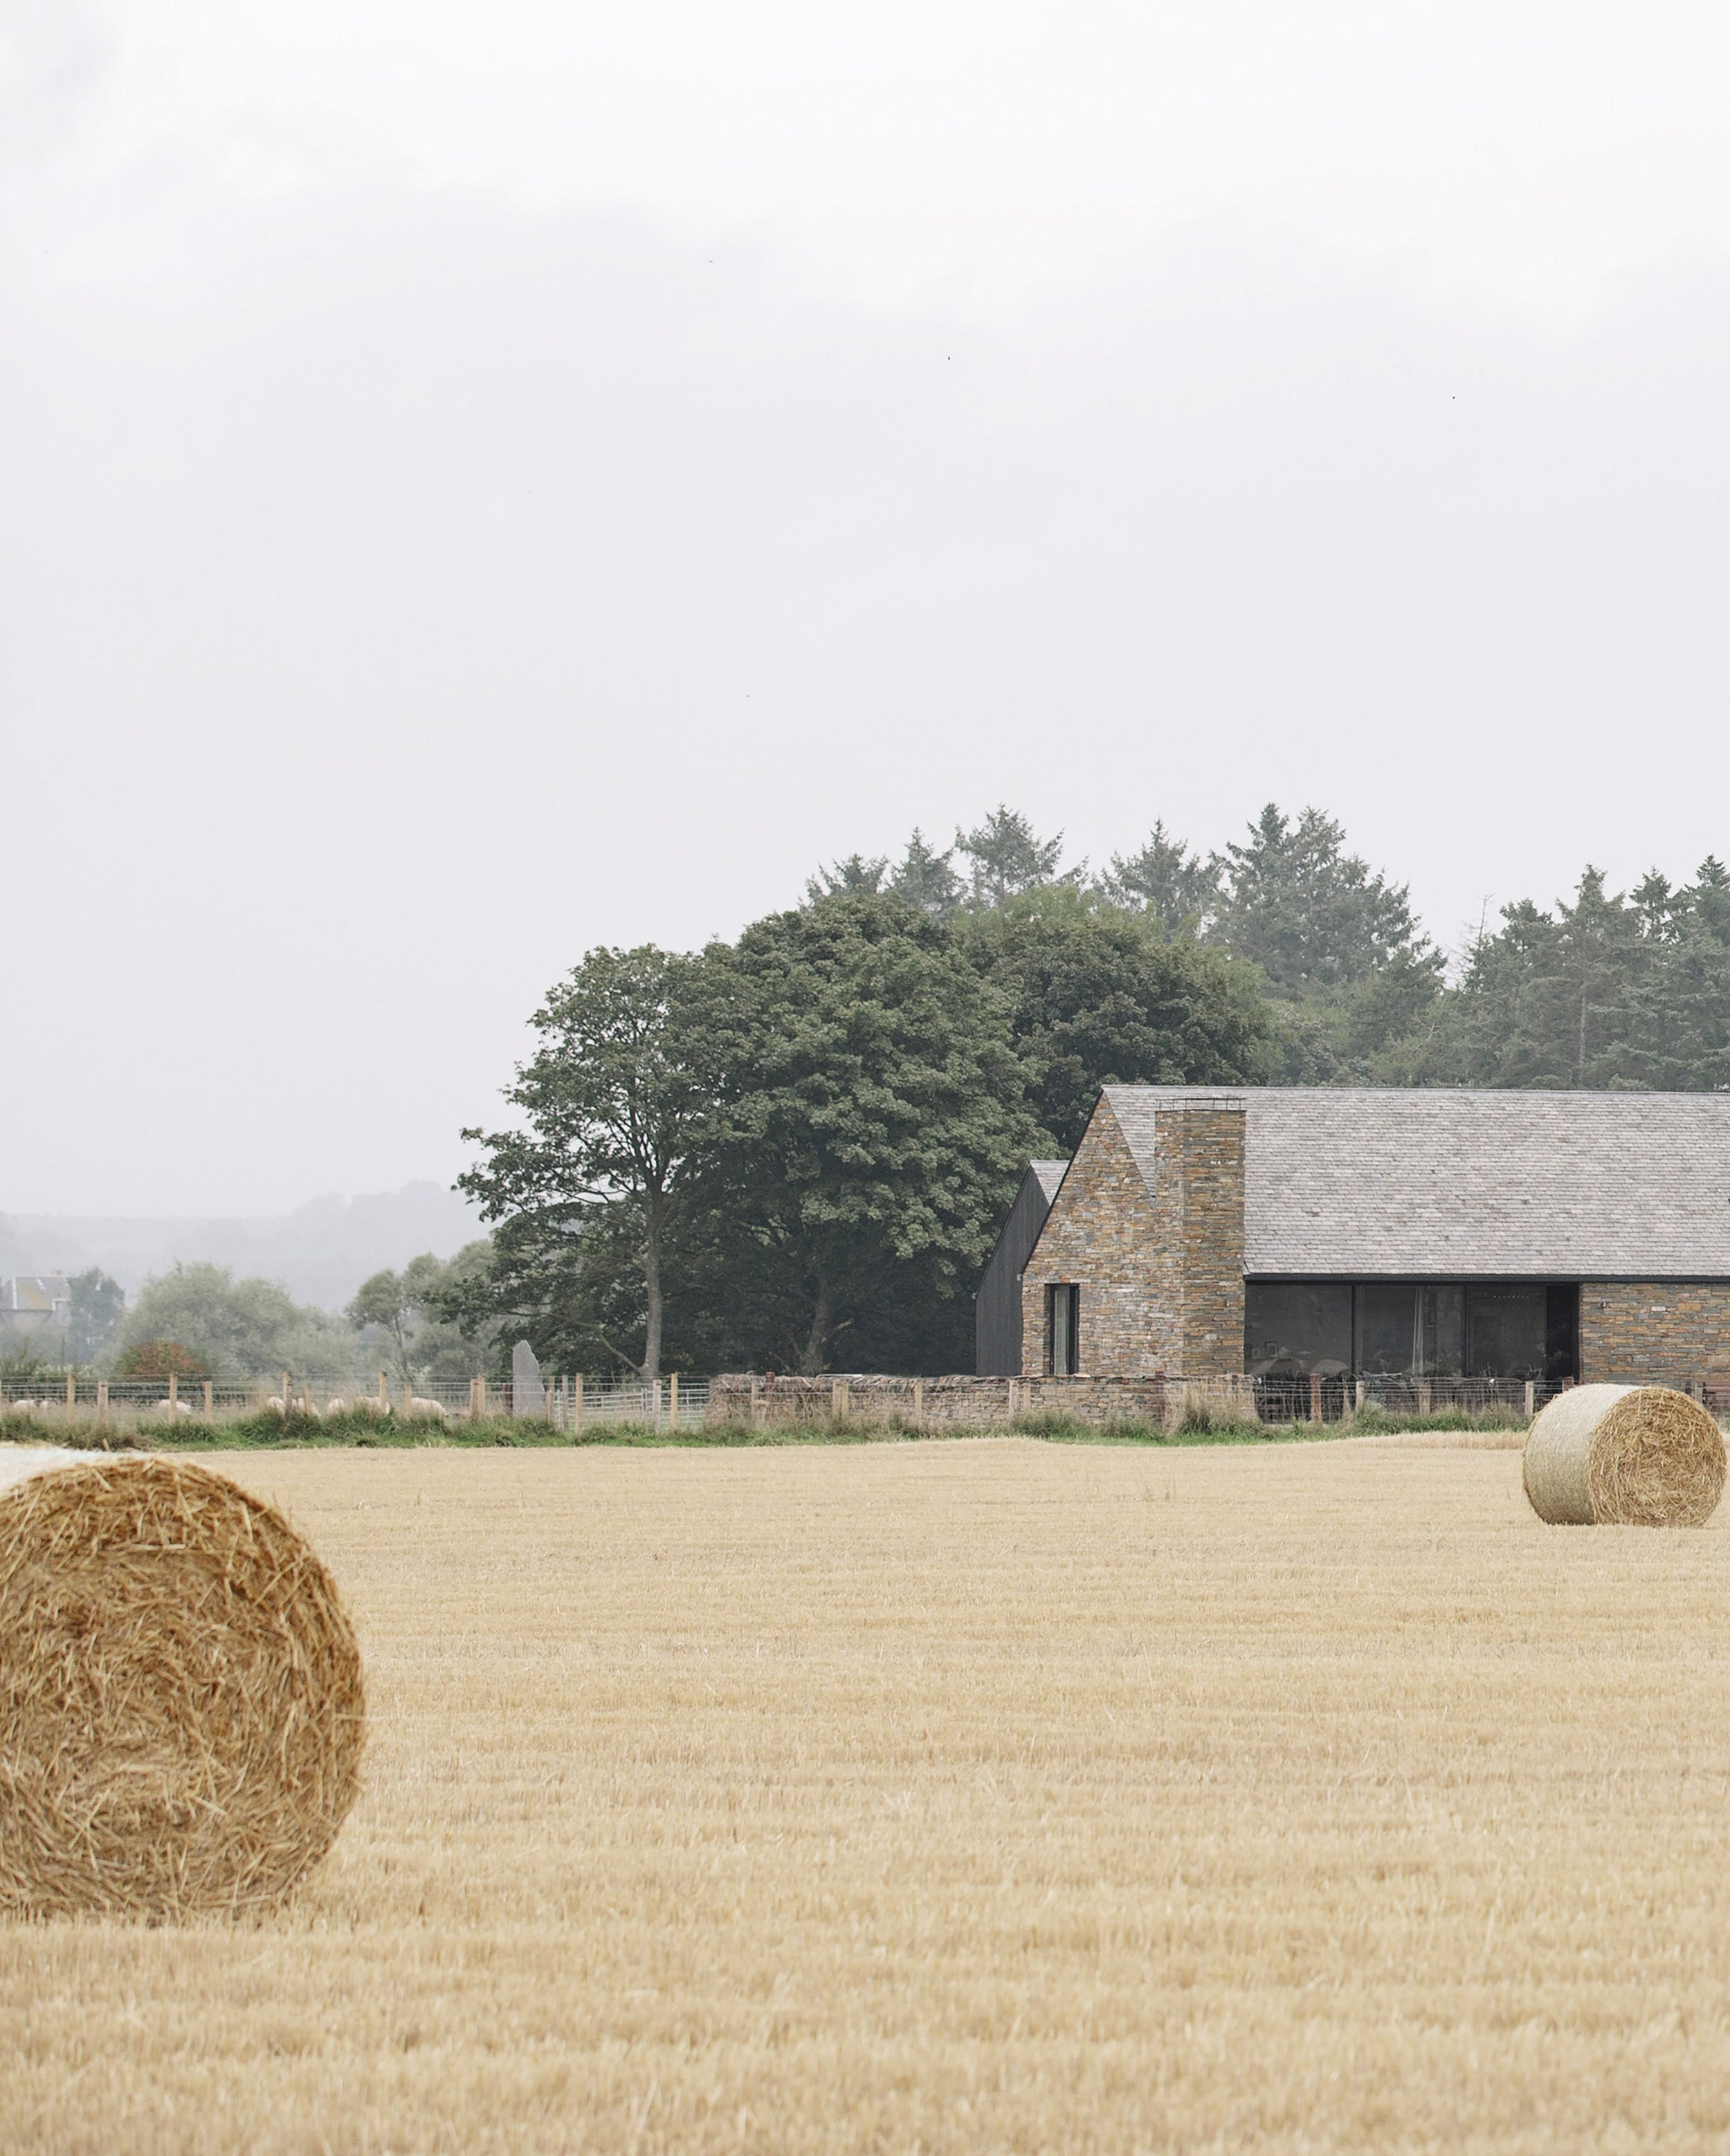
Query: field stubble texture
[[966, 1796]]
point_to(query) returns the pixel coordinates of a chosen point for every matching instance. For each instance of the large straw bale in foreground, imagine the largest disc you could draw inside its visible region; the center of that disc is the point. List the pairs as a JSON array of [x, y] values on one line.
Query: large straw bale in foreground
[[181, 1709], [1625, 1456]]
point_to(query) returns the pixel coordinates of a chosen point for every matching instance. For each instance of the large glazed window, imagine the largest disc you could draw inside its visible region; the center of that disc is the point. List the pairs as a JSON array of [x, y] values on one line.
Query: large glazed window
[[1298, 1328], [1416, 1328], [1063, 1330], [1505, 1329]]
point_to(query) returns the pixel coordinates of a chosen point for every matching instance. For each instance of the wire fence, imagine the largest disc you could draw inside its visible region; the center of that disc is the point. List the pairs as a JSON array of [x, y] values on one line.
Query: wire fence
[[568, 1403], [1317, 1398], [571, 1405], [1165, 1399]]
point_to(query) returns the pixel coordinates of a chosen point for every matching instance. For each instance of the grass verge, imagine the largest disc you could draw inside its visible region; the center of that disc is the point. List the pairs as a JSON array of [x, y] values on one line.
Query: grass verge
[[1198, 1425]]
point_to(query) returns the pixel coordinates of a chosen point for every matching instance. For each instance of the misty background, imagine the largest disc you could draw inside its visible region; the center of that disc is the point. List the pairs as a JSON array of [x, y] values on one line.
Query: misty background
[[480, 485], [321, 1252]]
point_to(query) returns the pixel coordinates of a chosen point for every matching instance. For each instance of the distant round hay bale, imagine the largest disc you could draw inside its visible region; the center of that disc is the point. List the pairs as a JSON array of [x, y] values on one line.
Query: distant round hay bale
[[1625, 1456], [181, 1715]]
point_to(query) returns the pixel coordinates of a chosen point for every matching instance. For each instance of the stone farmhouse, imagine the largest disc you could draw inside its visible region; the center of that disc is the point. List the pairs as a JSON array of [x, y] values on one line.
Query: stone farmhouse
[[1297, 1234]]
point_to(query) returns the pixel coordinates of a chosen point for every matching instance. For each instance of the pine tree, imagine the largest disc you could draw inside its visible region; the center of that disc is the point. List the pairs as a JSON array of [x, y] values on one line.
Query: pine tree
[[1308, 913], [1007, 858], [926, 879], [851, 878], [1174, 887]]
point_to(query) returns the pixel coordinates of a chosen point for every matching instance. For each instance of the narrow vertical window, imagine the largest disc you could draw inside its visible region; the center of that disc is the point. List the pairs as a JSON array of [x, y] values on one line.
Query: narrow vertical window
[[1063, 1327]]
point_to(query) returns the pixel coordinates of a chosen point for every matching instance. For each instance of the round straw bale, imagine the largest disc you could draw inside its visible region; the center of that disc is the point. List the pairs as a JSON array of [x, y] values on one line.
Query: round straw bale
[[1625, 1456], [181, 1708]]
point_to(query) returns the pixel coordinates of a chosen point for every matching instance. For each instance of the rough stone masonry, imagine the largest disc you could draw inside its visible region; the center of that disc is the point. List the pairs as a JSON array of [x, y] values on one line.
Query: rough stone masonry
[[1160, 1268]]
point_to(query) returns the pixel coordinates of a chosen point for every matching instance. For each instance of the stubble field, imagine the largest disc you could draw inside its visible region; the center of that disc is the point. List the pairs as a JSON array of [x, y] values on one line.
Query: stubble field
[[958, 1796]]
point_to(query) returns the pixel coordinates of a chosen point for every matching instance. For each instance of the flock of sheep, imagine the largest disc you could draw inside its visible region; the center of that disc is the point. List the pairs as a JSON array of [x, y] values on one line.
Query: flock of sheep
[[362, 1403]]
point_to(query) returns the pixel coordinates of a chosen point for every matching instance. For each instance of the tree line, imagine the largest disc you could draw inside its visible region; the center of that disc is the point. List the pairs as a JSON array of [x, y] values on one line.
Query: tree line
[[199, 1321], [793, 1151]]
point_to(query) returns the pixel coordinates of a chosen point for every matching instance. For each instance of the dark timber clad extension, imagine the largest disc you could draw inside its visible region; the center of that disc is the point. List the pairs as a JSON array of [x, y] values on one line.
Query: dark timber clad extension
[[1294, 1231], [997, 1307]]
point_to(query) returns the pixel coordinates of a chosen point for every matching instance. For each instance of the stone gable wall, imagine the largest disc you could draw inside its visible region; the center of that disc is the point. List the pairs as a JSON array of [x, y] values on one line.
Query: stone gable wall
[[1653, 1332], [1161, 1275]]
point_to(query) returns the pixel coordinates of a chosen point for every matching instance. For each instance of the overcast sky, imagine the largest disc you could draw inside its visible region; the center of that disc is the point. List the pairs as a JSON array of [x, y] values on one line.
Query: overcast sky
[[480, 482]]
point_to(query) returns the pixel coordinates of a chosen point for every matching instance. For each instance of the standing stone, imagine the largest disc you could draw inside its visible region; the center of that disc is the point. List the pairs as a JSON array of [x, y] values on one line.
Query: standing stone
[[528, 1394]]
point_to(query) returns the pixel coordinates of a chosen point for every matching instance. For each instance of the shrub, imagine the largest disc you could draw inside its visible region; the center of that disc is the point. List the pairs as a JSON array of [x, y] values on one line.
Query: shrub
[[25, 1368], [1200, 1419], [1049, 1422], [161, 1358]]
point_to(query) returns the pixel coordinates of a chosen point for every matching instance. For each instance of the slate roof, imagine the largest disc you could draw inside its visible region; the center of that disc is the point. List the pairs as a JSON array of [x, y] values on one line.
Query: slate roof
[[1050, 1173], [42, 1292], [1557, 1186]]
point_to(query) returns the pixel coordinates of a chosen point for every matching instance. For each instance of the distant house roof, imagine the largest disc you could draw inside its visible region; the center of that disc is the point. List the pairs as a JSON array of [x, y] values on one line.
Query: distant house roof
[[41, 1292], [1556, 1185]]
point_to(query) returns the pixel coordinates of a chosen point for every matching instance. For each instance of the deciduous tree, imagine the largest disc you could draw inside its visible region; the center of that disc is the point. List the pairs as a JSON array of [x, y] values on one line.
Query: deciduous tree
[[611, 1102], [99, 1305], [237, 1327], [1098, 997], [869, 1121]]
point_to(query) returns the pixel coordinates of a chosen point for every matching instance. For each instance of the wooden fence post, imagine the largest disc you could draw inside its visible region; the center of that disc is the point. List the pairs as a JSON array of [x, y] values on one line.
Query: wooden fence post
[[71, 1392], [576, 1407], [919, 1403], [1531, 1400], [173, 1392], [288, 1403], [102, 1399], [755, 1401], [209, 1401], [1315, 1396], [673, 1400]]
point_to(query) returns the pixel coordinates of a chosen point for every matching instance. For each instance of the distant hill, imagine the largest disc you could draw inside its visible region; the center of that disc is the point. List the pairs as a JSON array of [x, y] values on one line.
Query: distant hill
[[321, 1252]]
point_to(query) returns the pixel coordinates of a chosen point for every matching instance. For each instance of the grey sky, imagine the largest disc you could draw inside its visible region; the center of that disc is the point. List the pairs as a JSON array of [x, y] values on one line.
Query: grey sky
[[480, 483]]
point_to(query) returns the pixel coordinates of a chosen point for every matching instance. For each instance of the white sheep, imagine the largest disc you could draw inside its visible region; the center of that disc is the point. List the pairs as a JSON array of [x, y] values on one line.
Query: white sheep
[[420, 1407]]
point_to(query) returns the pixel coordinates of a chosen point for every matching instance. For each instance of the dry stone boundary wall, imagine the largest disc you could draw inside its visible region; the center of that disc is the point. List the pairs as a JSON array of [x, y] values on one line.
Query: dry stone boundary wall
[[968, 1403]]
